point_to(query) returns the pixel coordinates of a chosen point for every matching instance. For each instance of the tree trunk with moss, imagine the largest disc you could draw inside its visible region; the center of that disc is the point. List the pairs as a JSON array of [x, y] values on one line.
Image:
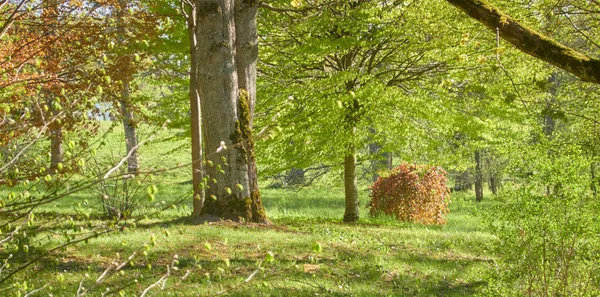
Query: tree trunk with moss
[[226, 117], [530, 41], [245, 59]]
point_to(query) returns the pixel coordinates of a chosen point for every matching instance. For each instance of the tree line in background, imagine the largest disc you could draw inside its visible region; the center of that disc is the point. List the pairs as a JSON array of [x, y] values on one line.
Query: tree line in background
[[300, 89]]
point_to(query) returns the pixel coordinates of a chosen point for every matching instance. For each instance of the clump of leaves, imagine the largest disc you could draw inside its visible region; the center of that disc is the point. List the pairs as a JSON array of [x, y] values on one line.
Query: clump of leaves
[[411, 192]]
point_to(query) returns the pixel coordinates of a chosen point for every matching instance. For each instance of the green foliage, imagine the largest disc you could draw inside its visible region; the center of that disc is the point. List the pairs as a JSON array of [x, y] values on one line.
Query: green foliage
[[548, 227], [410, 192]]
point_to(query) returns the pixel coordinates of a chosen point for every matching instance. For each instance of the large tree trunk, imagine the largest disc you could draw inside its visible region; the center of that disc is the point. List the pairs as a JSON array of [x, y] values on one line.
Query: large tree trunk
[[245, 59], [531, 42], [225, 116], [198, 184], [478, 177], [352, 212]]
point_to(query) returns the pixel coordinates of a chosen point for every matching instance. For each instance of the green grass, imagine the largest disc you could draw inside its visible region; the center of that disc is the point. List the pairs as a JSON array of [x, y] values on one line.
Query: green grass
[[375, 257], [314, 253]]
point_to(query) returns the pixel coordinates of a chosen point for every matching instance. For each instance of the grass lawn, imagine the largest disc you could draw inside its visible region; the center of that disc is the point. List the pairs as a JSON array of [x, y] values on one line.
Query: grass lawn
[[307, 251]]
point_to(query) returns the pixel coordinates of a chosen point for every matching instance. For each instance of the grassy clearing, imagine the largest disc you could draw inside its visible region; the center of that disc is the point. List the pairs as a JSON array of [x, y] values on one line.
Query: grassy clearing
[[313, 253]]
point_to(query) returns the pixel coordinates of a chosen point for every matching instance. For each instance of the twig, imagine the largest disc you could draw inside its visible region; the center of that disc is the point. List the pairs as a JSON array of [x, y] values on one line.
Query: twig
[[247, 280], [162, 282], [253, 273], [35, 291]]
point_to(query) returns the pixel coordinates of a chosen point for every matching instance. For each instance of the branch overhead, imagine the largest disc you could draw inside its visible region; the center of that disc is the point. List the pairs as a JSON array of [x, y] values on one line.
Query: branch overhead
[[530, 41]]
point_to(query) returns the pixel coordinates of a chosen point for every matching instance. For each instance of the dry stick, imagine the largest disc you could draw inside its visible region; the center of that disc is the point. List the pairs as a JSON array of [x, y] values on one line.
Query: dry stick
[[51, 251], [8, 22], [5, 263], [162, 281], [10, 237], [566, 14], [104, 275], [35, 291], [247, 280]]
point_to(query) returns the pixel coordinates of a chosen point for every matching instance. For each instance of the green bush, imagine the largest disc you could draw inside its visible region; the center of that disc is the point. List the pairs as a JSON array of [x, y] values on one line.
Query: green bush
[[548, 229], [410, 192]]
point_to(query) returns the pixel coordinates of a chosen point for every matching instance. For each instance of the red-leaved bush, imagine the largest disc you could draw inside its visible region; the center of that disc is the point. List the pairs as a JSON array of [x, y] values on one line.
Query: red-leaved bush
[[410, 192]]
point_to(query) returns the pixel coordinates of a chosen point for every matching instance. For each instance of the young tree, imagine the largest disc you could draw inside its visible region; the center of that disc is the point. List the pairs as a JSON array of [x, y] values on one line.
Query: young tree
[[339, 83]]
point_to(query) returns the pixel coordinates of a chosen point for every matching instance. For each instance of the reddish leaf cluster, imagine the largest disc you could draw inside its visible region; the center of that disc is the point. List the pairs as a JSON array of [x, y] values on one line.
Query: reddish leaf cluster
[[410, 192]]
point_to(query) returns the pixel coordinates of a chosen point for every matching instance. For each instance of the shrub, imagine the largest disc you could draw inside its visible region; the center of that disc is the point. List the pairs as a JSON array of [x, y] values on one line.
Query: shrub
[[411, 192], [547, 226]]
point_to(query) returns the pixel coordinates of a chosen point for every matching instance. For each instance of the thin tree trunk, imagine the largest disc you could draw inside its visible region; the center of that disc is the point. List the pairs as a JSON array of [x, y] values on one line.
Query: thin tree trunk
[[129, 128], [129, 125], [549, 122], [593, 181], [195, 119], [493, 184], [352, 212], [56, 148], [478, 177], [51, 12]]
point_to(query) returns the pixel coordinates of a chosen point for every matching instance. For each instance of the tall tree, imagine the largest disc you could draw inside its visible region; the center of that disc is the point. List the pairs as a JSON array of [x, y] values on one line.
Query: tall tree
[[227, 108]]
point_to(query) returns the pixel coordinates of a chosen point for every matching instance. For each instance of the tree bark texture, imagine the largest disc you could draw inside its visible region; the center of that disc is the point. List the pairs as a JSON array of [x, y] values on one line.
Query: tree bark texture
[[478, 177], [352, 212], [195, 118], [246, 56], [530, 41], [129, 128], [225, 116]]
